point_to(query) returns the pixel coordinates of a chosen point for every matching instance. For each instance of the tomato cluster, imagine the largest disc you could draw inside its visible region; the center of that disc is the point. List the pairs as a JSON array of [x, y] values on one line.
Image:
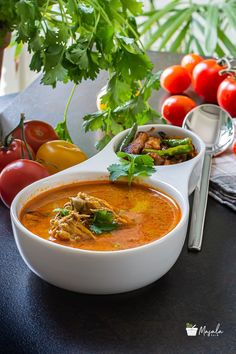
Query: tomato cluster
[[30, 152], [208, 81]]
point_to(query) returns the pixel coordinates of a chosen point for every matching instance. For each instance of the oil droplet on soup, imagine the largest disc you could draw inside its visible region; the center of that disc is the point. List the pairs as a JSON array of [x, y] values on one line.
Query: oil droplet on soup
[[153, 214]]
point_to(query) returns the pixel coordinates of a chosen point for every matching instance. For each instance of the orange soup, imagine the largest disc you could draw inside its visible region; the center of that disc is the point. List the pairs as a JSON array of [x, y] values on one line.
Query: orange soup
[[152, 214]]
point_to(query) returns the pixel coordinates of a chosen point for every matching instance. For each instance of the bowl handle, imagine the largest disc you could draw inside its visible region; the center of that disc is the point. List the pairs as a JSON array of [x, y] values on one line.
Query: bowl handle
[[175, 175]]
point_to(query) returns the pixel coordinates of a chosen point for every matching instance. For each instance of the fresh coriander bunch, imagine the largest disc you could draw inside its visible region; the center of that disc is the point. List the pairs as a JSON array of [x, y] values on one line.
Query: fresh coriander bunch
[[72, 40]]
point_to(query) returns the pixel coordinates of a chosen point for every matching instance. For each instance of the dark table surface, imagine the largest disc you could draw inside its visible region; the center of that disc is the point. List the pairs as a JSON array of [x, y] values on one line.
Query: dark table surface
[[36, 317]]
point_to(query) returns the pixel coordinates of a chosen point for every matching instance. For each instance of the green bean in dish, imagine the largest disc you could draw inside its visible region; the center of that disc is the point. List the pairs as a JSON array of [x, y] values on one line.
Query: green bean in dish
[[129, 137], [164, 149]]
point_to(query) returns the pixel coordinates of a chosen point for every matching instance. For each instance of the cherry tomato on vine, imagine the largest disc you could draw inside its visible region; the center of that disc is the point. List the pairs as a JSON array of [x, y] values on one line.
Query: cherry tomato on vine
[[14, 151], [58, 155], [226, 95], [189, 62], [175, 79], [17, 175], [36, 133], [175, 108], [206, 79]]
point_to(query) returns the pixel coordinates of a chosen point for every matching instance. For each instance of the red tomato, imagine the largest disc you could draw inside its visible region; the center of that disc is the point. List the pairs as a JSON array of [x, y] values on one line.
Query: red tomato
[[189, 62], [234, 148], [175, 108], [226, 95], [36, 133], [206, 79], [175, 79], [17, 175], [14, 152]]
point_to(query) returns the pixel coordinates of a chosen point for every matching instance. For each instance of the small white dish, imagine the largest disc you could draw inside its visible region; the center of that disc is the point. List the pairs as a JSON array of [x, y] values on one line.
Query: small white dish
[[97, 272]]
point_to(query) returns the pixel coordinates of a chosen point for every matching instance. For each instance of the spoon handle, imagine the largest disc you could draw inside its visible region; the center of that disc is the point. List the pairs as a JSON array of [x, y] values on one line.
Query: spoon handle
[[199, 207]]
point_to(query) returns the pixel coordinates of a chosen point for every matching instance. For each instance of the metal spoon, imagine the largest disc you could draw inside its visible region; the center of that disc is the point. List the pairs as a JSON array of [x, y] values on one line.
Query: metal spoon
[[215, 126]]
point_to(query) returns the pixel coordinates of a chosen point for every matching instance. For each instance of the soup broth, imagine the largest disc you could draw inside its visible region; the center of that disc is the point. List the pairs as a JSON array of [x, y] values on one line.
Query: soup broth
[[153, 214]]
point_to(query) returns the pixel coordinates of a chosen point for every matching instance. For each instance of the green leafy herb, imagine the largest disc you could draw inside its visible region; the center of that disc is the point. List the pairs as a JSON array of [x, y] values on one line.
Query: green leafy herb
[[62, 131], [62, 211], [8, 18], [126, 107], [73, 41], [103, 221], [131, 166]]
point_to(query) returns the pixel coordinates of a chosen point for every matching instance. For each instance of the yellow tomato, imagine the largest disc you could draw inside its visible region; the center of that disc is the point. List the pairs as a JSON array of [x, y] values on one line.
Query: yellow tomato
[[57, 155]]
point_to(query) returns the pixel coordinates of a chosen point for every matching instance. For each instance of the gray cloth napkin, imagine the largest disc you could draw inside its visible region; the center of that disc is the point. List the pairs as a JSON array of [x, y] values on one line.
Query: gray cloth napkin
[[223, 177]]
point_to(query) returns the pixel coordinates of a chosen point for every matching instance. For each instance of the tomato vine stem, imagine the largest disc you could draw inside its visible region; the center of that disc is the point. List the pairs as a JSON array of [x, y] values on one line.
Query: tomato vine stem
[[21, 125], [9, 138], [230, 69]]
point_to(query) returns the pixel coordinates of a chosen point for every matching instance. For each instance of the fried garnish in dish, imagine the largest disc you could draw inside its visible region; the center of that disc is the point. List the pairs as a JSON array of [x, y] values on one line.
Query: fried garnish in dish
[[138, 143], [153, 143]]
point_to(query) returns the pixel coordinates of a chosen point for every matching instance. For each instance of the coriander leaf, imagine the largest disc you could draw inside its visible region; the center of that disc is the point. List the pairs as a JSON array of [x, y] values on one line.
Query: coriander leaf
[[94, 121], [99, 229], [133, 66], [72, 9], [115, 127], [58, 73], [143, 117], [63, 33], [27, 10], [8, 18], [140, 105], [117, 171], [52, 55], [103, 221], [129, 44], [103, 142], [143, 160], [35, 44], [62, 131], [131, 166], [95, 229], [154, 116], [51, 37], [77, 53], [104, 39], [117, 92], [36, 62], [62, 211], [135, 7], [153, 80], [140, 162], [125, 157]]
